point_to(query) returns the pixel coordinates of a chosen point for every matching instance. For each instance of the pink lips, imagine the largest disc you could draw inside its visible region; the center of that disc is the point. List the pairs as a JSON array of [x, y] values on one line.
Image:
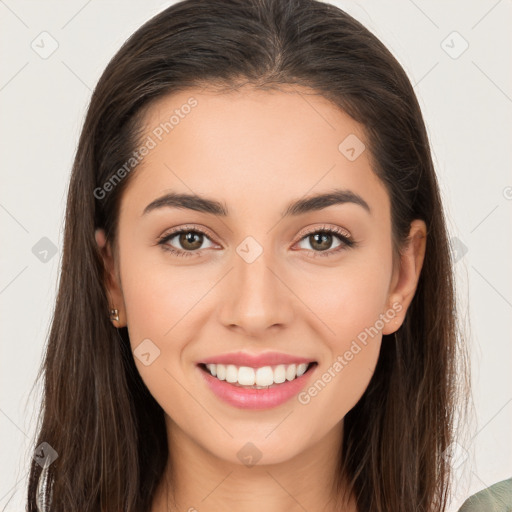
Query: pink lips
[[256, 360], [250, 398]]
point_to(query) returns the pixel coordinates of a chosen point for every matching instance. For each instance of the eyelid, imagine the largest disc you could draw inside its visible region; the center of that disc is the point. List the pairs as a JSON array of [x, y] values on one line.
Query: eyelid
[[325, 227], [186, 227]]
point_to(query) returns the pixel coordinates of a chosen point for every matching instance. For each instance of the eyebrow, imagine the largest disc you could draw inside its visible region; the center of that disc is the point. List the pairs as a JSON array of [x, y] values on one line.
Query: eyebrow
[[295, 208]]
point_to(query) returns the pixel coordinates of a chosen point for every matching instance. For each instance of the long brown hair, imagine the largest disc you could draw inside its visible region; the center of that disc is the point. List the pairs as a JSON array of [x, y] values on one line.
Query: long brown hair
[[97, 413]]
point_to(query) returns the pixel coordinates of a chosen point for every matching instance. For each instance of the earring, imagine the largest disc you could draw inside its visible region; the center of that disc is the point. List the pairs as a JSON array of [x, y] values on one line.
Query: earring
[[114, 314]]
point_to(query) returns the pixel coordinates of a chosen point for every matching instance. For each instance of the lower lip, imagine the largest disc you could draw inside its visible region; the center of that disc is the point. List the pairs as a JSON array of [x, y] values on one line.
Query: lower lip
[[248, 398]]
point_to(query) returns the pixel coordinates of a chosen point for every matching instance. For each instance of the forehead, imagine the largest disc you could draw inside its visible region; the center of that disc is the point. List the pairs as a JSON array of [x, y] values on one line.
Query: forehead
[[251, 147]]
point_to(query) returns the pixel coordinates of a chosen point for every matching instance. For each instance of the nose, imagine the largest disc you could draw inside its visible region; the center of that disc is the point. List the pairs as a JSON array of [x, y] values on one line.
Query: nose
[[256, 298]]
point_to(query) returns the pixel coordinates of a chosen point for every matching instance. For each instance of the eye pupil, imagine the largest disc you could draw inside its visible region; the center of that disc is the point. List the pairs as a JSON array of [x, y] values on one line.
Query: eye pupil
[[187, 240], [324, 242]]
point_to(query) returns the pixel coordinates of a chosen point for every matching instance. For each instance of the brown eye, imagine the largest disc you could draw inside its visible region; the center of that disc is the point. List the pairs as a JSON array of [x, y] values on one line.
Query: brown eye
[[186, 242], [322, 240], [191, 240]]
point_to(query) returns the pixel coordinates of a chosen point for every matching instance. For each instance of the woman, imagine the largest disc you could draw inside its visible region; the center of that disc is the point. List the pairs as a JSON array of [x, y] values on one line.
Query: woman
[[256, 306]]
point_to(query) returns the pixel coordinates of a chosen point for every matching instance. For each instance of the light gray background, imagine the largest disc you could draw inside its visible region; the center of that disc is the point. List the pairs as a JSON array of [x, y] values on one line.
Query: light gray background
[[467, 105]]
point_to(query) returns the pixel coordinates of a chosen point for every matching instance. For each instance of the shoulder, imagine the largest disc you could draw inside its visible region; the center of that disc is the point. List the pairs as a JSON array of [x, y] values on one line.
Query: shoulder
[[496, 498]]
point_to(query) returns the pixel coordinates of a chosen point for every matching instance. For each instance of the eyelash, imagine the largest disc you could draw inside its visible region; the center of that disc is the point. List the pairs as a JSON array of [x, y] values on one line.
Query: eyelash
[[346, 242]]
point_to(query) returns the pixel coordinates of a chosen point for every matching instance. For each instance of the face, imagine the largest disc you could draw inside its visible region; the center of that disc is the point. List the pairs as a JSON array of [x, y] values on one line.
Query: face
[[250, 273]]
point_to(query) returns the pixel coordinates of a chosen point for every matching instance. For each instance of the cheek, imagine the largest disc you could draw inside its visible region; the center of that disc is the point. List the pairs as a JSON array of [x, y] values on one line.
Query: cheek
[[353, 313], [162, 304], [350, 297], [158, 296], [157, 300]]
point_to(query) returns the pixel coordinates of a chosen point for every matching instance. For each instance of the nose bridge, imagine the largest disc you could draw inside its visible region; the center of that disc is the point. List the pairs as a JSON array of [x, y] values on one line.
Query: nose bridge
[[256, 298]]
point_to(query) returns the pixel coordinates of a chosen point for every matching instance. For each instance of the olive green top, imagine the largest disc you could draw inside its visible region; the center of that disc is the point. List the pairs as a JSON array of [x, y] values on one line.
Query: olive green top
[[496, 498]]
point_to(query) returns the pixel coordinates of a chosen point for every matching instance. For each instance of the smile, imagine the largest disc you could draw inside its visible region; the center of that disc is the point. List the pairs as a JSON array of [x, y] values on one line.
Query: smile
[[262, 377], [256, 388]]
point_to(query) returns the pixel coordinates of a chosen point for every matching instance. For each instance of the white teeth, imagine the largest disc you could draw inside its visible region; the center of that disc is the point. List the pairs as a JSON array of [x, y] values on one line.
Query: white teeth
[[301, 369], [257, 377], [291, 372], [264, 376], [212, 368], [221, 371], [246, 376], [231, 373], [280, 374]]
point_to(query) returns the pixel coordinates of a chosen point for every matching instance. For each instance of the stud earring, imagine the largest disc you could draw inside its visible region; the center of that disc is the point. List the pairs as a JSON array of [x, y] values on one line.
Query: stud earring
[[114, 314]]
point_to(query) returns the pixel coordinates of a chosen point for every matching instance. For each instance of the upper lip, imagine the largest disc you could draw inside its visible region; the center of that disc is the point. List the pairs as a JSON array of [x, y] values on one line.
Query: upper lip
[[255, 360]]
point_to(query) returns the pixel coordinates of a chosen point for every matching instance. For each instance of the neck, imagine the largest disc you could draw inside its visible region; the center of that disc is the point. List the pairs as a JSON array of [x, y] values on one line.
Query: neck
[[195, 479]]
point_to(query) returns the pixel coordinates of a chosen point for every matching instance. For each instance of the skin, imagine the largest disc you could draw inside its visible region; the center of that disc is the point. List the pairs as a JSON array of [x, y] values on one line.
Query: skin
[[255, 151]]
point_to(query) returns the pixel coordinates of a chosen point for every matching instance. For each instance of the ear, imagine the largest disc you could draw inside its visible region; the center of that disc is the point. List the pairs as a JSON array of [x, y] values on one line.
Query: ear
[[405, 278], [112, 284]]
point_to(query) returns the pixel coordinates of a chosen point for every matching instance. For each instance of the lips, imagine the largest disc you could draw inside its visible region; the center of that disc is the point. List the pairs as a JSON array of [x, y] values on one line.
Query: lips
[[255, 399], [256, 360]]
